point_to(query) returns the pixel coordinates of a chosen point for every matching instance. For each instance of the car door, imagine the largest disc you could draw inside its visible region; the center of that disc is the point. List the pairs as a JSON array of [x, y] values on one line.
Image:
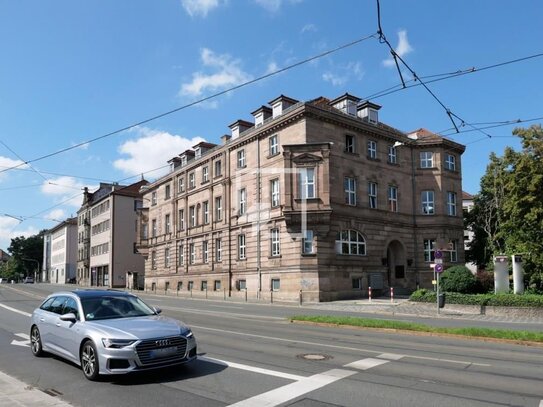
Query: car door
[[47, 318], [66, 332]]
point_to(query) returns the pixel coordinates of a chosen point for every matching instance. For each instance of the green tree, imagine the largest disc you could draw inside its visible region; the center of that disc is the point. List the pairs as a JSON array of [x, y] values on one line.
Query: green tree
[[25, 252], [458, 279]]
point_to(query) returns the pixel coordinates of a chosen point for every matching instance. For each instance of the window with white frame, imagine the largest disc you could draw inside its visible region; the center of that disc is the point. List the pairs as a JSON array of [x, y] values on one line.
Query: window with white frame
[[372, 149], [241, 158], [453, 246], [218, 249], [190, 285], [181, 214], [451, 203], [153, 198], [205, 251], [392, 155], [242, 284], [153, 260], [167, 223], [307, 242], [218, 168], [350, 242], [181, 255], [218, 208], [274, 189], [203, 285], [372, 194], [393, 198], [349, 185], [450, 162], [192, 216], [429, 245], [181, 184], [426, 159], [306, 184], [241, 247], [192, 251], [153, 228], [274, 145], [192, 182], [205, 174], [205, 212], [275, 284], [350, 146], [217, 285], [167, 257], [427, 200], [275, 242], [242, 201]]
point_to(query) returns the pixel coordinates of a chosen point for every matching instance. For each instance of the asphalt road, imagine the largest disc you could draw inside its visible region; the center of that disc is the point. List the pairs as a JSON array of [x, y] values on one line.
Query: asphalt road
[[250, 355]]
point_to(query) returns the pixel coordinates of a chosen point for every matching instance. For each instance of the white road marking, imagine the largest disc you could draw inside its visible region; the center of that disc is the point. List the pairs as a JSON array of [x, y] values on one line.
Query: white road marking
[[24, 336], [252, 368], [25, 342], [26, 314], [225, 314], [541, 403], [365, 364], [462, 362], [224, 306], [390, 356], [291, 391]]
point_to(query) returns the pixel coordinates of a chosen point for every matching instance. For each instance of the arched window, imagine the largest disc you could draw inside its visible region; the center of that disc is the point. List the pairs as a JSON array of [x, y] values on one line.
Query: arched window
[[350, 242]]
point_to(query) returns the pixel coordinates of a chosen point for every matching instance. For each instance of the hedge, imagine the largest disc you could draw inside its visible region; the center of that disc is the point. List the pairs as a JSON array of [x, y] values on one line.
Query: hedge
[[498, 300]]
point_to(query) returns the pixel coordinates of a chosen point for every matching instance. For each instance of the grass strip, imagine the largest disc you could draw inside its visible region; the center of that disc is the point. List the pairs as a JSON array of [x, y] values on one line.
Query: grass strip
[[523, 336]]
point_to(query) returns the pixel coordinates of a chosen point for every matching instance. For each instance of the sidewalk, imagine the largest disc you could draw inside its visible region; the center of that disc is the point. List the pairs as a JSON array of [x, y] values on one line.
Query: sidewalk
[[16, 393]]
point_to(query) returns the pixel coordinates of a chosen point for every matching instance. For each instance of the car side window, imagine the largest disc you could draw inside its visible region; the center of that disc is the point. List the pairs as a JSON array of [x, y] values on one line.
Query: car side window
[[57, 305], [71, 306], [46, 306]]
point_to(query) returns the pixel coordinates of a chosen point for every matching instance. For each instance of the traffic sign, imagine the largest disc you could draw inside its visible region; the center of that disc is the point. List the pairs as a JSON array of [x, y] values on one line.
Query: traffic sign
[[438, 254], [439, 268], [438, 261]]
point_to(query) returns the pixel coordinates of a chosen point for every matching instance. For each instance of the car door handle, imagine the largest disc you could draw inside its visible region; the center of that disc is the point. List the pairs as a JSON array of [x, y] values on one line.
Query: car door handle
[[58, 323], [42, 319]]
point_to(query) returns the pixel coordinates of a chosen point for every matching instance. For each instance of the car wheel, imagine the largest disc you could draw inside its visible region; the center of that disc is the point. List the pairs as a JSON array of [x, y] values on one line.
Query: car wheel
[[89, 360], [35, 341]]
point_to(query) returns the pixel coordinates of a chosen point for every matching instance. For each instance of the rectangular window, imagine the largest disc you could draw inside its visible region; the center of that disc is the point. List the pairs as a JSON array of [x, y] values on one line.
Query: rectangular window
[[275, 284], [392, 155], [349, 185], [218, 208], [153, 260], [349, 144], [427, 199], [426, 159], [190, 285], [275, 243], [205, 174], [392, 198], [218, 249], [181, 185], [205, 251], [179, 285], [167, 257], [192, 250], [372, 195], [357, 283], [217, 285], [242, 201], [274, 145], [181, 213], [241, 247], [241, 158], [192, 182], [218, 168], [192, 216], [450, 162], [307, 242], [153, 198], [274, 189], [242, 284], [167, 192], [181, 255], [306, 183], [429, 245], [451, 203], [453, 246], [167, 225], [205, 212], [203, 285], [372, 149], [153, 228]]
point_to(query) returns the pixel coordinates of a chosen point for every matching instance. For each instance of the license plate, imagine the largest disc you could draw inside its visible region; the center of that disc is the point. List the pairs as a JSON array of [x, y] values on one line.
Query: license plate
[[163, 352]]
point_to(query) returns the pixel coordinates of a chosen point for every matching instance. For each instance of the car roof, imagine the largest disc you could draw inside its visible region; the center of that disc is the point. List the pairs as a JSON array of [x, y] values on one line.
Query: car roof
[[93, 293]]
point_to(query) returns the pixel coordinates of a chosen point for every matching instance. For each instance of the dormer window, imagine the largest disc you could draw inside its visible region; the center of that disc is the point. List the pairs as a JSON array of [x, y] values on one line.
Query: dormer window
[[184, 160], [197, 152], [367, 111]]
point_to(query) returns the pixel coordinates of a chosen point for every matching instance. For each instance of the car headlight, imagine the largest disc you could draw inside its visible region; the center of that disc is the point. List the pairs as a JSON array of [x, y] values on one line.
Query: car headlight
[[117, 343], [187, 333]]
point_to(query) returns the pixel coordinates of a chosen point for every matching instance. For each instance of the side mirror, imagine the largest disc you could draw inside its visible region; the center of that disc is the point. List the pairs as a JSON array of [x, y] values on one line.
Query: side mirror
[[157, 310], [70, 316]]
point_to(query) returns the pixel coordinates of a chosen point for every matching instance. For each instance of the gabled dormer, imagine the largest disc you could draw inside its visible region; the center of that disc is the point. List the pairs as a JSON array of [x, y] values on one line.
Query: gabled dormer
[[346, 103], [201, 148], [239, 126], [368, 111], [261, 114], [280, 104], [186, 156], [175, 163]]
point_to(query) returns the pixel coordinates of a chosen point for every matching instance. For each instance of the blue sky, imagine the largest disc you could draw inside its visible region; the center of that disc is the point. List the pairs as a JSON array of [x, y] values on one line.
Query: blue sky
[[71, 71]]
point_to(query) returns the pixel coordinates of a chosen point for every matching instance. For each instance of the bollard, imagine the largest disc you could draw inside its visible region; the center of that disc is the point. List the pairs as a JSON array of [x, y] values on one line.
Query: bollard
[[224, 293], [392, 295], [271, 295], [245, 295], [191, 292], [300, 297], [369, 293], [206, 292]]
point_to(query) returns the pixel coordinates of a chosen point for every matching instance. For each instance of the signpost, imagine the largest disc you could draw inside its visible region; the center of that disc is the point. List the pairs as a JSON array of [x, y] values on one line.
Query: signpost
[[438, 269]]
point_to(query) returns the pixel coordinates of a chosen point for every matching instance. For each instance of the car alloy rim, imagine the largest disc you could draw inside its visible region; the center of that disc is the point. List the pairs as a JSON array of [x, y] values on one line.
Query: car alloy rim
[[88, 360], [35, 339]]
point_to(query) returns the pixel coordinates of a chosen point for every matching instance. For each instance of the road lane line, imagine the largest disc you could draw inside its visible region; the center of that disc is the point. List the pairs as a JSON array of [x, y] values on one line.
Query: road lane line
[[365, 364], [291, 391], [462, 362], [390, 356], [217, 313], [26, 314], [24, 336], [252, 368]]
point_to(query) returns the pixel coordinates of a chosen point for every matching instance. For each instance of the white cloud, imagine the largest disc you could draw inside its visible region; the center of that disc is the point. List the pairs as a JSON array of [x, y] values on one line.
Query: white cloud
[[402, 49], [65, 189], [272, 67], [9, 229], [274, 5], [6, 163], [343, 74], [200, 7], [56, 215], [309, 28], [334, 79], [227, 73], [152, 149]]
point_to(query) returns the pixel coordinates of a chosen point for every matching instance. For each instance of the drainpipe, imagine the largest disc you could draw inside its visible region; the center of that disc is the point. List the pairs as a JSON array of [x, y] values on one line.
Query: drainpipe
[[258, 203], [414, 204]]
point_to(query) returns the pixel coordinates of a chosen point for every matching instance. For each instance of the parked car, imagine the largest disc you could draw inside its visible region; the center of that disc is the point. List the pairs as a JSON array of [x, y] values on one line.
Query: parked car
[[109, 332], [28, 280]]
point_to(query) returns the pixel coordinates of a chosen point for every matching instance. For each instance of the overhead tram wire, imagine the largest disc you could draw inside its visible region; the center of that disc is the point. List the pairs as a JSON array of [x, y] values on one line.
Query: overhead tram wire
[[20, 158], [492, 126], [205, 99]]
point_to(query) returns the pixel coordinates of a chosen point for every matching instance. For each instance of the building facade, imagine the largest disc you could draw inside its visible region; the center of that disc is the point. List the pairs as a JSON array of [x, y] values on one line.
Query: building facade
[[317, 198], [106, 236], [60, 253]]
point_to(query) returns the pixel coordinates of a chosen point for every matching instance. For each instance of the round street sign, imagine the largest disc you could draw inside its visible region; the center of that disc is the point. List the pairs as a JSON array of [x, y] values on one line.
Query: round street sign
[[438, 268], [438, 254]]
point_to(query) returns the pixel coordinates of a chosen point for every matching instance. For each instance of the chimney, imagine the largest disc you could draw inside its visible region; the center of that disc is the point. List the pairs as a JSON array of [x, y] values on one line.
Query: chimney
[[226, 138], [239, 127], [367, 111], [280, 104]]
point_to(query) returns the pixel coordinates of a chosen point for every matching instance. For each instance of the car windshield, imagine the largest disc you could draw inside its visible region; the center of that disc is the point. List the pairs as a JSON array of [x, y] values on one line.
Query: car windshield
[[110, 307]]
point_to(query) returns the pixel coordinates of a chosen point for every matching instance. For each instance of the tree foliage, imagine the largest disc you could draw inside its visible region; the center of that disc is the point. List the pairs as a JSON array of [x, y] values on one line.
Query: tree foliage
[[458, 279], [508, 212], [26, 256]]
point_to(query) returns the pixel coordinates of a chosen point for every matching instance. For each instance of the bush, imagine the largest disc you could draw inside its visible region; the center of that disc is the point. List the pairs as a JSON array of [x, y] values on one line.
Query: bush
[[485, 282], [458, 279], [497, 300]]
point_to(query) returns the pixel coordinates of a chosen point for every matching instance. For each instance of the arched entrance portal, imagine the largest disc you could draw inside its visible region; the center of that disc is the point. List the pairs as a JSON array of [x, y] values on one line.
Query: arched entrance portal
[[396, 265]]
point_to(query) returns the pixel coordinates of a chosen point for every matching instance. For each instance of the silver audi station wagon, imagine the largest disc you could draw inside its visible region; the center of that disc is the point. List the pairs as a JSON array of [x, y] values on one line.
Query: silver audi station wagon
[[109, 332]]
